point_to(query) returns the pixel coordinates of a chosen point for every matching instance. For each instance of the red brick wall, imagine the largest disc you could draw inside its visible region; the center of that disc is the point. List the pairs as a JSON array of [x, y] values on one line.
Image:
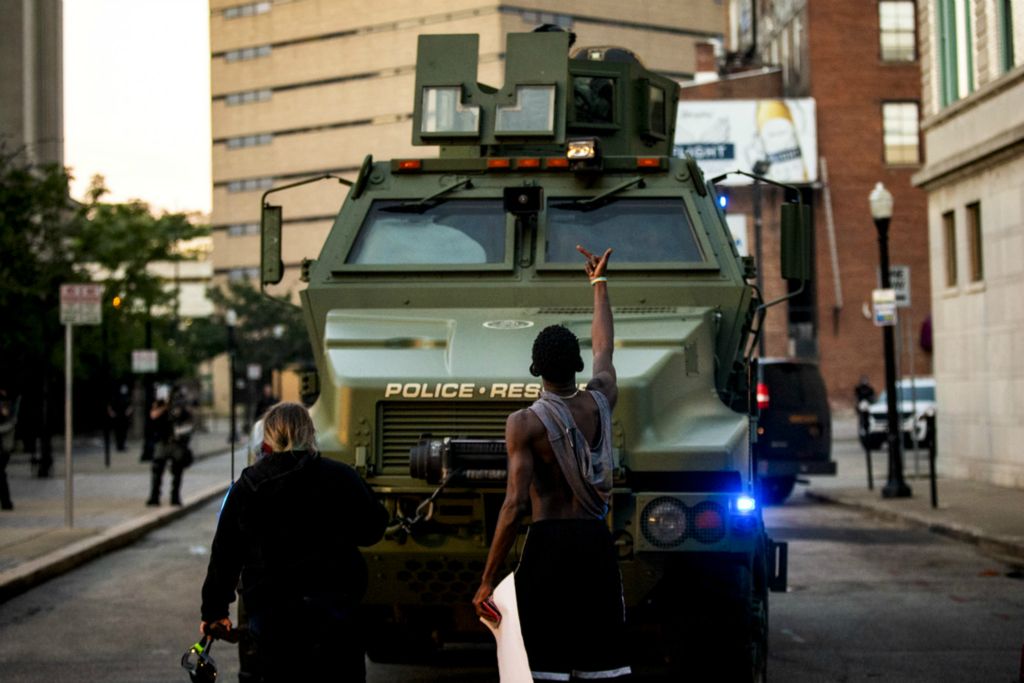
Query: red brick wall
[[849, 83]]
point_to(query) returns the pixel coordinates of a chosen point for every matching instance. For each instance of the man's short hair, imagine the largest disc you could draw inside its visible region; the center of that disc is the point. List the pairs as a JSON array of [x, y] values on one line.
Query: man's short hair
[[556, 354]]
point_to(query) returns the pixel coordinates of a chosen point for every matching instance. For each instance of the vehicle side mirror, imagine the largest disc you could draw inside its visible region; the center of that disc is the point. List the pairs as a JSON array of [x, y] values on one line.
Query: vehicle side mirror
[[271, 266], [795, 225]]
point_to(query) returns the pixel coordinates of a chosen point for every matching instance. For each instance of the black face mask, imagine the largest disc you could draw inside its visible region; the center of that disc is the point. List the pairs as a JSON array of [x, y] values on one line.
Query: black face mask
[[203, 669]]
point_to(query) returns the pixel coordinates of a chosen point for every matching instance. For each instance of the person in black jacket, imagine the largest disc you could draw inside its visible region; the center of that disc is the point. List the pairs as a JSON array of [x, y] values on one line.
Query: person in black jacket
[[290, 528]]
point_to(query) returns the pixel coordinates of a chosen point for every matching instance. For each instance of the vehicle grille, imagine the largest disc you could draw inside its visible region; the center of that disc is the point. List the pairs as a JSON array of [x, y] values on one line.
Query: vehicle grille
[[403, 423]]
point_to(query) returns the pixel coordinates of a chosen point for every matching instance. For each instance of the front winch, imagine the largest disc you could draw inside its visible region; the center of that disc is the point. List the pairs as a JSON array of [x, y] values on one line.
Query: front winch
[[478, 460]]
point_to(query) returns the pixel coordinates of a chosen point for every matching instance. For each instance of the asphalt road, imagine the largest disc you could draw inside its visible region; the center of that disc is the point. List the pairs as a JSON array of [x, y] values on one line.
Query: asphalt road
[[869, 600]]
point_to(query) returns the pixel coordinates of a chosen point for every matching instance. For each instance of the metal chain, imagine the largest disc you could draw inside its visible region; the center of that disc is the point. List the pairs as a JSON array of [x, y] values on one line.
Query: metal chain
[[406, 523]]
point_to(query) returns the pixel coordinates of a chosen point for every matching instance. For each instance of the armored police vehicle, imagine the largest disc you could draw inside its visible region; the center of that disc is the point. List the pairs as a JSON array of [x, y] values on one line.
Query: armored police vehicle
[[436, 277]]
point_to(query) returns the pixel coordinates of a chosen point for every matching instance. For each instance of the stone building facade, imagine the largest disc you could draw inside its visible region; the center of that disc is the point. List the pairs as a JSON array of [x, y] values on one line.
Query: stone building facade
[[31, 80], [973, 84]]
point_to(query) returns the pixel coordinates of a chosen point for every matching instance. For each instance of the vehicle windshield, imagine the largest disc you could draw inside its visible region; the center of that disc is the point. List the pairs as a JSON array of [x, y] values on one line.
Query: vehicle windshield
[[649, 230], [921, 393], [455, 232]]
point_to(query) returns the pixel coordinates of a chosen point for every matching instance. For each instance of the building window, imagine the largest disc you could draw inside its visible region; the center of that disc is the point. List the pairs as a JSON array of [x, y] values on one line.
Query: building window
[[247, 10], [900, 131], [535, 18], [248, 97], [1006, 34], [247, 53], [250, 184], [896, 30], [240, 274], [250, 140], [974, 243], [949, 240], [242, 229], [956, 50]]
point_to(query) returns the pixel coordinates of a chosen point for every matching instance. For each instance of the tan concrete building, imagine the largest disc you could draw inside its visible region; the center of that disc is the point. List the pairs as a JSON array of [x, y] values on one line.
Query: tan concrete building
[[972, 56], [31, 79], [305, 87]]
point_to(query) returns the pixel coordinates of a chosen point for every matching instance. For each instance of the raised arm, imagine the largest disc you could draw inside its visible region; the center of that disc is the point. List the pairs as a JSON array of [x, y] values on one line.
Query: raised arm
[[602, 332]]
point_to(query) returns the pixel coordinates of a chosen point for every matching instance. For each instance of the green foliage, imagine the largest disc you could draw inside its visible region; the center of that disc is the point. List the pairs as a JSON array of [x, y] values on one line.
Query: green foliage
[[38, 226], [47, 239], [269, 333]]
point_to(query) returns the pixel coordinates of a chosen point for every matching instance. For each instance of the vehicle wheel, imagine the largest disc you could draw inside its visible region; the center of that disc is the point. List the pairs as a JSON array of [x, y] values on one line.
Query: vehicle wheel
[[775, 490], [747, 659]]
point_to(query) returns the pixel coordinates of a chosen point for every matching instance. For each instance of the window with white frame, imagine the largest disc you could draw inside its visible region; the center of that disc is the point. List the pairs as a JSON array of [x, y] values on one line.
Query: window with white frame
[[901, 133], [897, 30]]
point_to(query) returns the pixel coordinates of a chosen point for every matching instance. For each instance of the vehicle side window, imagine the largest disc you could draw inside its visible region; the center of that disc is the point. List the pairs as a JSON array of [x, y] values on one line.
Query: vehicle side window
[[450, 233]]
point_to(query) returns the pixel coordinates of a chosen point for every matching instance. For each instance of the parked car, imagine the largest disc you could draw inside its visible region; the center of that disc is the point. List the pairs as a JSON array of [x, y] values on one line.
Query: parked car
[[915, 398], [794, 425]]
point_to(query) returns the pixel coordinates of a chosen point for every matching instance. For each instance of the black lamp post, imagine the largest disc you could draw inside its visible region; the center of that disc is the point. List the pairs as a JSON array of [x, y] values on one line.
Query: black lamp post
[[881, 210], [231, 319], [278, 332], [761, 167]]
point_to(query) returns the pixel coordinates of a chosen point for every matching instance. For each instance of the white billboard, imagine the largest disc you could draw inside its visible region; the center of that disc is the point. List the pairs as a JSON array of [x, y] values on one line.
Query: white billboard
[[730, 135]]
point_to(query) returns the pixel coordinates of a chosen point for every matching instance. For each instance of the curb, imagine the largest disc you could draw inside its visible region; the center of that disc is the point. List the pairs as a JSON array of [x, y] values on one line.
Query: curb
[[34, 572], [1010, 549]]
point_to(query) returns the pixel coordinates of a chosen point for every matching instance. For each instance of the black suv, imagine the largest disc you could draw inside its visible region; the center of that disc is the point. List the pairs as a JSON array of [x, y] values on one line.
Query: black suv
[[794, 425]]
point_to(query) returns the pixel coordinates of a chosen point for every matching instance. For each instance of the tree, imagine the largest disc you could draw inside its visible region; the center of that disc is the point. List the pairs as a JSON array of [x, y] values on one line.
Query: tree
[[38, 226], [259, 321], [48, 239], [120, 241]]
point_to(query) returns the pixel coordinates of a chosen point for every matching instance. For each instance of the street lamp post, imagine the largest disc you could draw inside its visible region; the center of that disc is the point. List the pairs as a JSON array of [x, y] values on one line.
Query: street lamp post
[[278, 332], [881, 210], [231, 319], [761, 167]]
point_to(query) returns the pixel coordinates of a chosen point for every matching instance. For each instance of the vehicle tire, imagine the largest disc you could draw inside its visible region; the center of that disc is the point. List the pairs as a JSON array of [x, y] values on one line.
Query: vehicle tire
[[775, 490], [747, 658]]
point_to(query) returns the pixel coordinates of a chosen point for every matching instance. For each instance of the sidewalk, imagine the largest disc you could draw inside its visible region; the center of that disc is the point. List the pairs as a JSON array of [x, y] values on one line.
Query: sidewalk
[[109, 509], [986, 515]]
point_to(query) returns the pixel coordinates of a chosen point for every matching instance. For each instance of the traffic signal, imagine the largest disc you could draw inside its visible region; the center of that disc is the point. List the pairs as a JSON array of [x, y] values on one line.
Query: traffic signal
[[117, 301]]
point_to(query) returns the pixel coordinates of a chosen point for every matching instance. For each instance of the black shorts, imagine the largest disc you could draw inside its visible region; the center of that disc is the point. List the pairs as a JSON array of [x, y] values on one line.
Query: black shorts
[[571, 608]]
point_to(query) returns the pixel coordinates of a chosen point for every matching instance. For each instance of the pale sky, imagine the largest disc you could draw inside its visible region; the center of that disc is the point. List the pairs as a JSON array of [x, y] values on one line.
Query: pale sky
[[137, 99]]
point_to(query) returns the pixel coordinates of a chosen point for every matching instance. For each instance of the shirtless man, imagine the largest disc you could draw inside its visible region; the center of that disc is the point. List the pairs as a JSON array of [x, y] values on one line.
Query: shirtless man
[[568, 585]]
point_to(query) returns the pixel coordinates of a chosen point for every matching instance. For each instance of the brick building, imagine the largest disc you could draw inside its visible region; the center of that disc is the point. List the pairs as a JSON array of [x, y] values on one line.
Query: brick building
[[973, 105], [860, 65]]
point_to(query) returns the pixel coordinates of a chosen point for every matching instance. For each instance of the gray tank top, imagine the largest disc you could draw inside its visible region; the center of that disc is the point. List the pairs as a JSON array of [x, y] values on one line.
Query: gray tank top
[[587, 470]]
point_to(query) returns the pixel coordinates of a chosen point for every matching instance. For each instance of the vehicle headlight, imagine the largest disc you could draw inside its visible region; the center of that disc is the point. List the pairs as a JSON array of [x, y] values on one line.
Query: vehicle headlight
[[664, 522]]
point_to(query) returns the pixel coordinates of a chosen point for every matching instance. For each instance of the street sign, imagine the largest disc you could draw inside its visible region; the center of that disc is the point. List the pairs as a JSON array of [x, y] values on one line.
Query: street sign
[[899, 280], [883, 303], [144, 361], [81, 304], [254, 371]]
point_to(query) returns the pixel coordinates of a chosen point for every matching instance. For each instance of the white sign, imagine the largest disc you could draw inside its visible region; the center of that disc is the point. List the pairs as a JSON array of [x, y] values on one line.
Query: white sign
[[730, 135], [737, 223], [254, 371], [899, 280], [884, 305], [144, 361], [81, 304]]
